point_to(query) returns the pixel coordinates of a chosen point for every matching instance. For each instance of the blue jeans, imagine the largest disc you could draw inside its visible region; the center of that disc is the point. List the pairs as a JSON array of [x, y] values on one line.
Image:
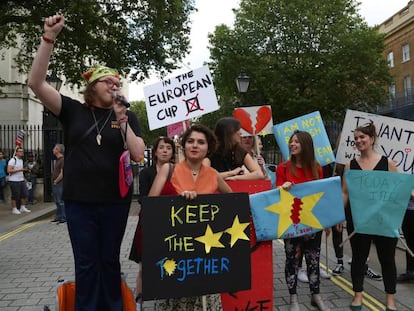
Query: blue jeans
[[96, 231], [60, 204]]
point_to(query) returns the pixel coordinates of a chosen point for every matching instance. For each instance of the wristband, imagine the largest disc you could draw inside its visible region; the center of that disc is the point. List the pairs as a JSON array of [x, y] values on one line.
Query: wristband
[[48, 40], [123, 120]]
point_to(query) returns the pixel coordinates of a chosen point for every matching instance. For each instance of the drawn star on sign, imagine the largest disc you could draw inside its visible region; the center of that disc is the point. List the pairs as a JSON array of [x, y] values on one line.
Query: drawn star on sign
[[237, 231], [210, 239], [305, 214]]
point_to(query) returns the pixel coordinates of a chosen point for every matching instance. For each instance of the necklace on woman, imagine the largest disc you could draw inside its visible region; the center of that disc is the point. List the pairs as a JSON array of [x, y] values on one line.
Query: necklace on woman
[[99, 130], [195, 173]]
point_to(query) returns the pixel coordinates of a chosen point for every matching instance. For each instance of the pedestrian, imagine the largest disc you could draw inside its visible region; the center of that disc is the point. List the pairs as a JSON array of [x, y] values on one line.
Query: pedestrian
[[189, 178], [57, 183], [32, 170], [408, 231], [230, 156], [301, 167], [17, 182], [163, 151], [365, 137], [97, 135], [3, 172]]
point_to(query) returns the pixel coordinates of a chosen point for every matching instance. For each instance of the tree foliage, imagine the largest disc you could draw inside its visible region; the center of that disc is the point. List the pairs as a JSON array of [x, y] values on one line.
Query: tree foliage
[[149, 136], [133, 36], [301, 56]]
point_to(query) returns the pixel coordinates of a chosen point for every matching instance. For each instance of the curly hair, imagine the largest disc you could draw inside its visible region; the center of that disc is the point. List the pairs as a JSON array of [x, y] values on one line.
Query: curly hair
[[210, 137]]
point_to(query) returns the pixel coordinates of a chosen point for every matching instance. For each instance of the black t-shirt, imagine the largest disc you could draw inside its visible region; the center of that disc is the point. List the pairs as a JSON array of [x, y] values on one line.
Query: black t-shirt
[[91, 170], [224, 163]]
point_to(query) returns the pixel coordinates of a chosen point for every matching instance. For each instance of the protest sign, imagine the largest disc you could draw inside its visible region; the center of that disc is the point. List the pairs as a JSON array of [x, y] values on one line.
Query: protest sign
[[180, 98], [177, 128], [311, 123], [260, 295], [255, 120], [395, 139], [307, 208], [197, 247], [378, 200]]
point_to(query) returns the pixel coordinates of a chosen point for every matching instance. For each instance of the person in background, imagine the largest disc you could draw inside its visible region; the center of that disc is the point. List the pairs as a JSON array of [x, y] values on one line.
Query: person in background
[[230, 156], [301, 167], [365, 137], [3, 168], [17, 182], [163, 151], [57, 183], [32, 170], [96, 133], [408, 231], [253, 145], [189, 178]]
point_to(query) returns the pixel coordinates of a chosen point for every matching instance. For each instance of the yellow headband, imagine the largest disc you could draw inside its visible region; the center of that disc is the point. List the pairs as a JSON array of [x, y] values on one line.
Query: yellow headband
[[99, 71]]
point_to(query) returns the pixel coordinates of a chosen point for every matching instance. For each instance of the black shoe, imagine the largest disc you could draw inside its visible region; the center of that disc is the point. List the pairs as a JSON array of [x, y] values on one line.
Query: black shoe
[[373, 275], [54, 220], [405, 277], [62, 221]]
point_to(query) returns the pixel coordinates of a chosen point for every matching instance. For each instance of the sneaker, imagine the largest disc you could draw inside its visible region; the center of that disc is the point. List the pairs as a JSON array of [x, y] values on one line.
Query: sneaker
[[405, 277], [350, 261], [302, 276], [339, 269], [324, 274], [373, 275], [24, 209], [15, 211]]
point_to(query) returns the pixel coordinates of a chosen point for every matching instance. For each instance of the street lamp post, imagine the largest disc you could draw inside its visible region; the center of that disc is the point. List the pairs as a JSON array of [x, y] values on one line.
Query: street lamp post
[[50, 128], [242, 82]]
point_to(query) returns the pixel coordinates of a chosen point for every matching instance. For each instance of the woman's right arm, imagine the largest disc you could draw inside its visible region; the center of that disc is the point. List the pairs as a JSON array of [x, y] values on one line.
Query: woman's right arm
[[159, 181]]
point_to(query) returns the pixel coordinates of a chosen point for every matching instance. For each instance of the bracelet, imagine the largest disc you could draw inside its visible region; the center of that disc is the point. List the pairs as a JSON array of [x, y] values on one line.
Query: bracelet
[[48, 40], [123, 120]]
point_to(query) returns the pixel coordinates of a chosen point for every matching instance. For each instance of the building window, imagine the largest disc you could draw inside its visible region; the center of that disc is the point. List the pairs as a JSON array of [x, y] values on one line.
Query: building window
[[407, 86], [405, 52], [390, 59], [391, 89]]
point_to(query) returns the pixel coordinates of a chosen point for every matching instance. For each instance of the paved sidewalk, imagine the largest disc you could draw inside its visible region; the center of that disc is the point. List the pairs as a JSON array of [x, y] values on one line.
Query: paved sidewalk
[[32, 259]]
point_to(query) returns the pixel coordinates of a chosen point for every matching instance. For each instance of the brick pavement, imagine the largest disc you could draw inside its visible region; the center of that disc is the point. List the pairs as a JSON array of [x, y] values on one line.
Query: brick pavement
[[38, 253]]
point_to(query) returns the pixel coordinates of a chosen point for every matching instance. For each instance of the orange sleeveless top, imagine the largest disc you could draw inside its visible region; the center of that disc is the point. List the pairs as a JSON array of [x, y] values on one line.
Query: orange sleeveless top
[[182, 179]]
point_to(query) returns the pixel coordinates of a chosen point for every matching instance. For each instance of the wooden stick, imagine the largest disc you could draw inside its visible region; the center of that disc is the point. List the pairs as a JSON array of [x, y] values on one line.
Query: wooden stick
[[408, 250], [204, 302], [346, 240]]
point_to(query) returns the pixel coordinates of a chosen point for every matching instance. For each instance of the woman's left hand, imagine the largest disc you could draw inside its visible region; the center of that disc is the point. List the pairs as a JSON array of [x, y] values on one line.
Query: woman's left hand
[[189, 195]]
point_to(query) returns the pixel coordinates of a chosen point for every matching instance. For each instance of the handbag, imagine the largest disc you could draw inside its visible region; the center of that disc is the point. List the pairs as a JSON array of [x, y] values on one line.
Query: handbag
[[125, 173], [125, 169]]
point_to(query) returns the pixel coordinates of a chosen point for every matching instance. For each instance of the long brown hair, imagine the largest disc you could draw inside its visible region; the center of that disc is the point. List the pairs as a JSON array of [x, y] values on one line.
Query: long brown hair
[[224, 130], [89, 93], [307, 157]]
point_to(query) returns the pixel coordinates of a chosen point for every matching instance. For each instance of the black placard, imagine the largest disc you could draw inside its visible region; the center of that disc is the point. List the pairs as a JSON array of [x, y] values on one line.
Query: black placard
[[197, 247]]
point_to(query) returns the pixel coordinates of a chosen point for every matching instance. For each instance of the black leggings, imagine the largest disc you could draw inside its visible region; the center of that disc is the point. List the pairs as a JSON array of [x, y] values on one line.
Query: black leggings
[[361, 244]]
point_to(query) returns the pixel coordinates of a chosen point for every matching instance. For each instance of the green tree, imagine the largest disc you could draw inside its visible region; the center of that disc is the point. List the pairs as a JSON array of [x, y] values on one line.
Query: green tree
[[131, 35], [301, 56], [149, 136]]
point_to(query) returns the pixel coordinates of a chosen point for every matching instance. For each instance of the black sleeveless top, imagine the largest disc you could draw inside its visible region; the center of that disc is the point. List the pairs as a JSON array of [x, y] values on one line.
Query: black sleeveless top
[[382, 165]]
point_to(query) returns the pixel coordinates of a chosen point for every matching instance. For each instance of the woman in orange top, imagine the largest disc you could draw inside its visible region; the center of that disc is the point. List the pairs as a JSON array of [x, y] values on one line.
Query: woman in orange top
[[189, 178]]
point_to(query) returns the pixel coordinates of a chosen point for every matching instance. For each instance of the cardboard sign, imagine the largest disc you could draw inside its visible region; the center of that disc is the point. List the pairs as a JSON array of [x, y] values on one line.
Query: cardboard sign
[[378, 200], [177, 128], [260, 296], [197, 247], [311, 123], [254, 120], [395, 139], [307, 208], [180, 98]]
